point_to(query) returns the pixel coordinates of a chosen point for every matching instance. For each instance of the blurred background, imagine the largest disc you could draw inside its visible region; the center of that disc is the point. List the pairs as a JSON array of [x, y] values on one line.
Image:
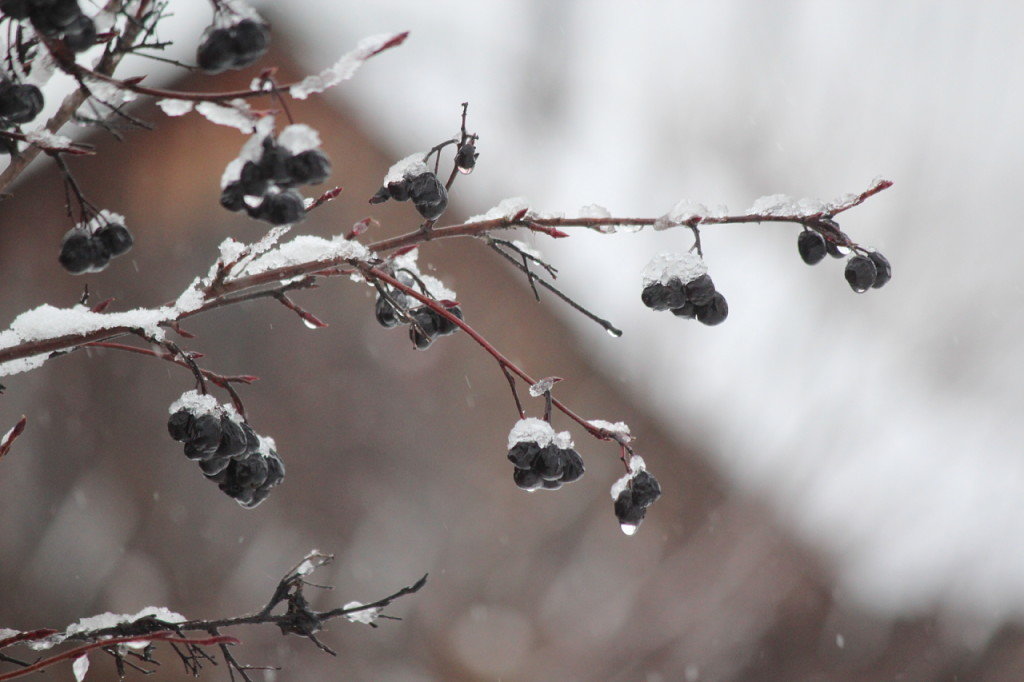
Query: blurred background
[[842, 473]]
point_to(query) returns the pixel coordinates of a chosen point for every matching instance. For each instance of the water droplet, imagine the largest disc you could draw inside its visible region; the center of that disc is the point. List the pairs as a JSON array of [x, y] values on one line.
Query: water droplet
[[616, 333], [309, 324], [628, 528]]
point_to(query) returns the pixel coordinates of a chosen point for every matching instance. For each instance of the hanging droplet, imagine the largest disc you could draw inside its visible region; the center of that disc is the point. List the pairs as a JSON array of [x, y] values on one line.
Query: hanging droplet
[[628, 528]]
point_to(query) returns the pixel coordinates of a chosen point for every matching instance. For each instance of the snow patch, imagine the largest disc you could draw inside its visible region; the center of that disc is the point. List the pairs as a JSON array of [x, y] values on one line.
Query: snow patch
[[80, 667], [344, 68], [195, 402], [298, 138], [618, 428], [366, 616], [667, 266], [175, 107], [531, 430], [237, 114], [409, 167]]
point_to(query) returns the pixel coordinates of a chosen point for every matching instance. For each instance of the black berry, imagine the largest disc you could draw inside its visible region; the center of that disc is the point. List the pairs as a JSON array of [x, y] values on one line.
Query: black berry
[[116, 239], [20, 103], [883, 271], [658, 296], [833, 249], [180, 425], [250, 41], [465, 158], [687, 310], [428, 195], [232, 197], [646, 489], [385, 313], [812, 247], [572, 468], [549, 463], [282, 208], [217, 51], [523, 454], [80, 34], [860, 273], [699, 291], [309, 168], [527, 479], [714, 312]]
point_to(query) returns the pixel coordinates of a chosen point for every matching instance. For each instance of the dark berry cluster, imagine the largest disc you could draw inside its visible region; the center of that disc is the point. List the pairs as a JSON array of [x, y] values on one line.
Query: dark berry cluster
[[55, 18], [88, 247], [680, 283], [410, 179], [633, 494], [243, 464], [234, 47], [19, 103], [869, 270], [542, 458], [265, 187], [429, 324]]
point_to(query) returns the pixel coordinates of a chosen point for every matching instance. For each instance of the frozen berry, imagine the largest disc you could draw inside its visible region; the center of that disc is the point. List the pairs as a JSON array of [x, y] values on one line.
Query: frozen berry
[[385, 313], [115, 238], [834, 249], [523, 454], [714, 312], [812, 247], [232, 197], [232, 438], [627, 511], [250, 40], [381, 196], [425, 330], [446, 326], [80, 35], [549, 463], [180, 425], [572, 468], [465, 158], [428, 195], [217, 51], [81, 252], [311, 167], [687, 310], [646, 489], [20, 103], [214, 465], [527, 479], [658, 296], [860, 273], [883, 271], [699, 291], [206, 434], [282, 208], [16, 9]]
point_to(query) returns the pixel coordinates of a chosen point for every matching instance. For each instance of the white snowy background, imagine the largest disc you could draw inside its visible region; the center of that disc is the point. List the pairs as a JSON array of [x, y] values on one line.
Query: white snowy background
[[883, 428]]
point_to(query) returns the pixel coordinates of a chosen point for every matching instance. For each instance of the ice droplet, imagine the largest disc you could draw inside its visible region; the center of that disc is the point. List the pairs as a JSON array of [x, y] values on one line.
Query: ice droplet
[[628, 528]]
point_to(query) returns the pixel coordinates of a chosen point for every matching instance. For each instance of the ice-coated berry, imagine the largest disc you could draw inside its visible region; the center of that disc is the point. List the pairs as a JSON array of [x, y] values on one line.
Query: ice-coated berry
[[80, 34], [523, 454], [214, 465], [232, 197], [860, 273], [658, 296], [282, 208], [572, 468], [385, 313], [232, 438], [311, 167], [428, 195], [16, 9], [687, 310], [699, 291], [254, 178], [426, 320], [465, 158], [714, 312], [549, 463], [77, 252], [217, 51], [206, 433], [812, 247], [381, 196], [834, 249], [883, 270], [446, 326], [20, 103], [180, 425], [627, 511], [115, 238], [250, 41], [527, 479], [646, 489], [399, 191]]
